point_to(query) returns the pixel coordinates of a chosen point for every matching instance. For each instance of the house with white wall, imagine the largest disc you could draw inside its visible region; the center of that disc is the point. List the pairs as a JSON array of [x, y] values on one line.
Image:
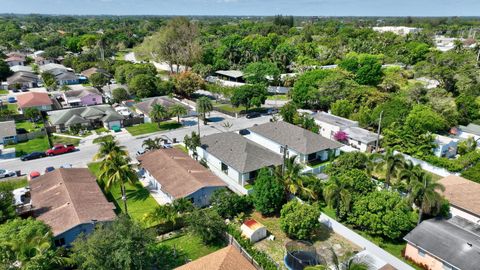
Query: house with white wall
[[463, 196], [176, 175], [307, 146], [470, 130], [446, 146], [235, 159], [357, 137]]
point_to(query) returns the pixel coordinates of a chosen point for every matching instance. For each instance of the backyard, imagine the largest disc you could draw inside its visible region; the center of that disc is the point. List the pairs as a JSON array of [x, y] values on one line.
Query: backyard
[[39, 144], [147, 128], [190, 245], [29, 126], [323, 241], [139, 200]]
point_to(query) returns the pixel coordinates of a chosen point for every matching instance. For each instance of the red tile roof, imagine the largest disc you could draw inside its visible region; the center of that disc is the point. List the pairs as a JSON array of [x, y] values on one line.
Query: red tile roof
[[33, 99]]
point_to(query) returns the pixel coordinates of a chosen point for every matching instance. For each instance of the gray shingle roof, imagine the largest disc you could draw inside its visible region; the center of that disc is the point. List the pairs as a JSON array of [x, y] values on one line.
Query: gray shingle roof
[[239, 153], [22, 77], [296, 138], [7, 129], [60, 117], [146, 106], [360, 134], [82, 92], [230, 73], [449, 241], [335, 120], [471, 128]]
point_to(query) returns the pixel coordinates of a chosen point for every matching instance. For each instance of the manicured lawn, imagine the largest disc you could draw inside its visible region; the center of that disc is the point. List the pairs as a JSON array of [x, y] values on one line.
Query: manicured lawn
[[29, 126], [103, 138], [100, 130], [139, 200], [3, 92], [64, 140], [152, 127], [278, 97], [14, 184], [190, 245], [228, 107], [13, 107], [36, 145]]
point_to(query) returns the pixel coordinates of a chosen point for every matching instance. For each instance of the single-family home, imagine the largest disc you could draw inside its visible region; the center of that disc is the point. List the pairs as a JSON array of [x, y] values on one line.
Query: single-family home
[[21, 68], [89, 72], [176, 175], [145, 107], [51, 66], [40, 61], [230, 75], [281, 136], [227, 258], [463, 196], [8, 132], [70, 202], [83, 97], [356, 137], [445, 146], [64, 77], [86, 117], [38, 100], [441, 244], [235, 159], [471, 130], [22, 79], [399, 30], [15, 59]]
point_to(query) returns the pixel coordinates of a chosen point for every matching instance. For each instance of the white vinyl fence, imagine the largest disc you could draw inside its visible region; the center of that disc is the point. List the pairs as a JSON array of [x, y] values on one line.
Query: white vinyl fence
[[427, 166], [363, 243]]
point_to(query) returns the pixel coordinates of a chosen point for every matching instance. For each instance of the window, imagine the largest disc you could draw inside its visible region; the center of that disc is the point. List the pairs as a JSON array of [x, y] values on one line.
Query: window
[[224, 168], [94, 99], [60, 242], [421, 253]]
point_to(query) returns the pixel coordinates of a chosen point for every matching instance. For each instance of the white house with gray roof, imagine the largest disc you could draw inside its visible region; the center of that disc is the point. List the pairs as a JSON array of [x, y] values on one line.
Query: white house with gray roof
[[235, 159], [307, 146], [87, 117], [358, 137]]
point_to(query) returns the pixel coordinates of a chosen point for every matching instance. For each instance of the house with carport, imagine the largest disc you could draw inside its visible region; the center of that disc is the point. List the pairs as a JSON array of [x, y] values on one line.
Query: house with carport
[[281, 137], [70, 202], [235, 159], [176, 175]]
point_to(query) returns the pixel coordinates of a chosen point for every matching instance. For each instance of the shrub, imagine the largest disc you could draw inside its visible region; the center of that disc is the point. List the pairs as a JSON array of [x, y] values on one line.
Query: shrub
[[268, 193], [299, 221]]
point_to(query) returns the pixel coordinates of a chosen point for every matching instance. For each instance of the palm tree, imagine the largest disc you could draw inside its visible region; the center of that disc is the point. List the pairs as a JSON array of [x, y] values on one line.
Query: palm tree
[[178, 110], [292, 178], [163, 214], [410, 173], [117, 170], [204, 106], [152, 144], [424, 194], [192, 142], [391, 164], [336, 194], [109, 147], [158, 113], [353, 263]]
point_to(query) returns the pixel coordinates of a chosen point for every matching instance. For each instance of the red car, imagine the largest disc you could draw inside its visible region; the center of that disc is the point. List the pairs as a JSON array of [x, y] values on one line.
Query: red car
[[60, 149]]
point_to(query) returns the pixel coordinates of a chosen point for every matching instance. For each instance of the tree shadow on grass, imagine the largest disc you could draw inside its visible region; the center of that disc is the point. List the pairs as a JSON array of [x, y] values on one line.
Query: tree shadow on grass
[[137, 193]]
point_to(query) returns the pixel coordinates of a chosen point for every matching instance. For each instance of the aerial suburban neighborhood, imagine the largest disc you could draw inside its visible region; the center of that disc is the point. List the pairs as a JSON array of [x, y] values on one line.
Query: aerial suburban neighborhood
[[219, 135]]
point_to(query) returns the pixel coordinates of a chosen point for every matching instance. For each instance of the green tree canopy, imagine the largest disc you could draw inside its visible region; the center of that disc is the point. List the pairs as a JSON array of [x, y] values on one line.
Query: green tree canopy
[[257, 73], [229, 204], [249, 96], [299, 220], [207, 224], [268, 193], [366, 67], [423, 119], [143, 85], [120, 94]]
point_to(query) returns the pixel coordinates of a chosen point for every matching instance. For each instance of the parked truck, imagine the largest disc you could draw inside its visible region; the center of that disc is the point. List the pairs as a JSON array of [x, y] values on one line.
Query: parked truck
[[60, 149]]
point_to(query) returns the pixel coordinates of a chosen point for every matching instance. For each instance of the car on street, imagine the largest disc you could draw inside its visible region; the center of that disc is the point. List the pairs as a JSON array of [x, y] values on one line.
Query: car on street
[[33, 174], [49, 169], [253, 115], [272, 111], [6, 173], [33, 155], [11, 100], [60, 149]]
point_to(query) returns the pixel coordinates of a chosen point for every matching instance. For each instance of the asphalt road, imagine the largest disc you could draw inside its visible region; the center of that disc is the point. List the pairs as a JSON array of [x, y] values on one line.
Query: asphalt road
[[87, 150]]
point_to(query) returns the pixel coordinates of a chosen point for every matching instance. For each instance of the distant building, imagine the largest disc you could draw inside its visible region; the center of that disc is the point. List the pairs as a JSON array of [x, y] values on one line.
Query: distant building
[[70, 202], [23, 79], [38, 100], [399, 30], [230, 75], [440, 244], [15, 59], [471, 130], [83, 97], [176, 175], [21, 68], [446, 146], [145, 107], [228, 258], [8, 132], [89, 72]]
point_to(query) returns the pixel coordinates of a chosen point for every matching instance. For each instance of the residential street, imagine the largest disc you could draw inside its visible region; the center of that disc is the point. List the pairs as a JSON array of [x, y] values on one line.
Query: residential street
[[87, 150]]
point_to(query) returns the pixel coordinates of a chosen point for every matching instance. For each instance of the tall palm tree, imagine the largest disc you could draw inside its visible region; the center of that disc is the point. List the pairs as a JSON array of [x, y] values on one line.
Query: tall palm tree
[[117, 170], [152, 144], [158, 113], [292, 178], [204, 106], [410, 173], [192, 142], [425, 195], [178, 110], [336, 194], [109, 147], [391, 164]]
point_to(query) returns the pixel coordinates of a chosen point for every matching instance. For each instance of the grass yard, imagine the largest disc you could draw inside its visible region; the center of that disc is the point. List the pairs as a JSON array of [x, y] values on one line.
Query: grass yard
[[139, 200], [278, 97], [36, 145], [29, 126], [190, 245], [181, 147], [152, 127], [3, 92], [103, 138], [101, 130], [14, 184], [228, 107], [13, 107], [64, 140]]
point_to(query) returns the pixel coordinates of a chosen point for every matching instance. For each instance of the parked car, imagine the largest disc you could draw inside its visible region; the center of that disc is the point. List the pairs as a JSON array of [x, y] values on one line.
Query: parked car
[[253, 115], [272, 111], [15, 90], [33, 174], [49, 169], [6, 173], [11, 100], [21, 131], [60, 149], [66, 166], [33, 155]]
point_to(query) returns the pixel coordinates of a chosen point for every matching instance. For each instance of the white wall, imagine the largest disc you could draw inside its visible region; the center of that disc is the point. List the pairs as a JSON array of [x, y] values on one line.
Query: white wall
[[460, 213], [327, 130], [273, 146], [214, 162]]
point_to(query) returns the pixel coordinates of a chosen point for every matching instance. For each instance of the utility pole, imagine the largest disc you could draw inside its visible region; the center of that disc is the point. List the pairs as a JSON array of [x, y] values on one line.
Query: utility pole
[[285, 150], [378, 131]]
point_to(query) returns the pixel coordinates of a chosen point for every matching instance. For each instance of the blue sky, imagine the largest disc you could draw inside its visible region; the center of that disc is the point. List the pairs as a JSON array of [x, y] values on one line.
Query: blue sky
[[247, 7]]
